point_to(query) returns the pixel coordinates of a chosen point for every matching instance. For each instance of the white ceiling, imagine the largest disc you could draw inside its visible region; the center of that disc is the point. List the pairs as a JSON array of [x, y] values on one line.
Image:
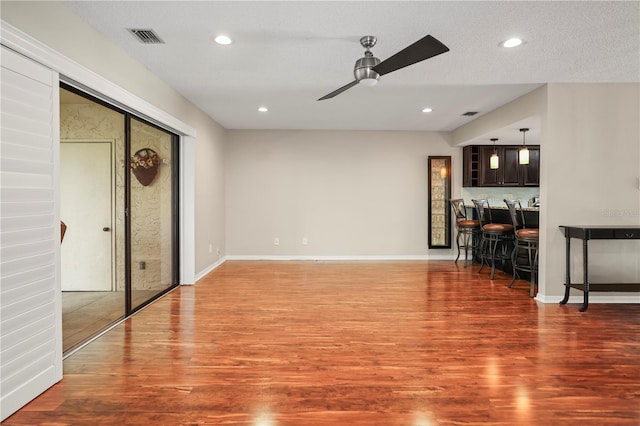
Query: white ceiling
[[287, 54]]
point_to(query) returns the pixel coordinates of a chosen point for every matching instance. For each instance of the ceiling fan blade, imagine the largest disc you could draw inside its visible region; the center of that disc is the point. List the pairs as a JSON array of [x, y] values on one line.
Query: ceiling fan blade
[[425, 48], [338, 91]]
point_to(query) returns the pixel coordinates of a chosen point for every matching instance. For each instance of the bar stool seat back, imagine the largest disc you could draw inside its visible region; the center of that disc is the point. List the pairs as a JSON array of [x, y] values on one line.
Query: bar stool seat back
[[496, 237], [524, 257]]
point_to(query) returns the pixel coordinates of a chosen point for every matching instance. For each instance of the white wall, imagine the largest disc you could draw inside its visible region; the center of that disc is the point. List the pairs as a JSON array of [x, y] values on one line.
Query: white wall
[[533, 104], [84, 45], [352, 194], [209, 197], [591, 172]]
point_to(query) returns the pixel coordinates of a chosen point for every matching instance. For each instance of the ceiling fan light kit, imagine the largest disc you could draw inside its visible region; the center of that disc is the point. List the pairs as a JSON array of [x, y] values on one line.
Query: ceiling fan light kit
[[368, 69]]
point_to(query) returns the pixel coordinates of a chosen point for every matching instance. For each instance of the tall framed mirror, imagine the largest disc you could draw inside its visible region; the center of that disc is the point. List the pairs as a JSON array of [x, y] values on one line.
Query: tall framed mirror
[[439, 215]]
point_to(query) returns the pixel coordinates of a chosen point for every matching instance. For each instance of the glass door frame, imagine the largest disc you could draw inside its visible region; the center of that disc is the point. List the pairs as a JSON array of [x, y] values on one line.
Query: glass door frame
[[175, 215], [175, 199]]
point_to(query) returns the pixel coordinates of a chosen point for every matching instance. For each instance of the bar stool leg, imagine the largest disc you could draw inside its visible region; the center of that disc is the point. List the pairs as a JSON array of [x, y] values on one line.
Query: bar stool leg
[[468, 244], [465, 238], [493, 247], [514, 258], [483, 245], [534, 271], [531, 266]]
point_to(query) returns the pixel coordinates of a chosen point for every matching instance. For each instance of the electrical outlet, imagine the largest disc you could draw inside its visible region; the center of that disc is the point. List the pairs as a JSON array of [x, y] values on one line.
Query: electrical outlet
[[305, 241], [210, 248], [142, 264], [218, 251], [276, 241]]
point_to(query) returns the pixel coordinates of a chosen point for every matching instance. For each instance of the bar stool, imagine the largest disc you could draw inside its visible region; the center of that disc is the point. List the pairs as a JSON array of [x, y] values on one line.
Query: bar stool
[[524, 256], [496, 237], [468, 229]]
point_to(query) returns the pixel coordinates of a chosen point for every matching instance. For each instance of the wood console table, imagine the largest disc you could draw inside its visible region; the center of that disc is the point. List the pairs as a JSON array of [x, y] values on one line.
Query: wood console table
[[586, 233]]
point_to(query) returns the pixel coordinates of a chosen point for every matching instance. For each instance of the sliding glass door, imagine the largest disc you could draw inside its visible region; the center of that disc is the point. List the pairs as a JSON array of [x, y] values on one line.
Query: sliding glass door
[[119, 203], [92, 191], [152, 212]]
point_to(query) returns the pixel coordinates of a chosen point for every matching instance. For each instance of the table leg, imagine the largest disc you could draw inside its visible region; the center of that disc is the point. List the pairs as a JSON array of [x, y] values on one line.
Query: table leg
[[567, 278], [585, 267]]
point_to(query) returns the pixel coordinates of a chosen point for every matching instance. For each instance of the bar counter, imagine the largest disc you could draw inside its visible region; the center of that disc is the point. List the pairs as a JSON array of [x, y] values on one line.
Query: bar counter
[[500, 214]]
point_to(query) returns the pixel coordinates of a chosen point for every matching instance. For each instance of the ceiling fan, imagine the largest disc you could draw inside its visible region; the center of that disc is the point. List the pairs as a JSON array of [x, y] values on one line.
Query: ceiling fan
[[368, 69]]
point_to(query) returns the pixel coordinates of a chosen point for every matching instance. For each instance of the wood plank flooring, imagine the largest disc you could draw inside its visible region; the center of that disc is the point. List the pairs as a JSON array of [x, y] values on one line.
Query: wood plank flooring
[[353, 343], [87, 313]]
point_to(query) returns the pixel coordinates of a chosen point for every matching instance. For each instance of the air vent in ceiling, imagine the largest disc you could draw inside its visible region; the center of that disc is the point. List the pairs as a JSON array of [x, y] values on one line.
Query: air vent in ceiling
[[146, 36], [470, 113]]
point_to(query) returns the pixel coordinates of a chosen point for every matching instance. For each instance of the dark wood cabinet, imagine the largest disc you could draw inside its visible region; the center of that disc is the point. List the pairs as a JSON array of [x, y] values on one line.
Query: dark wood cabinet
[[477, 170], [471, 167], [508, 172]]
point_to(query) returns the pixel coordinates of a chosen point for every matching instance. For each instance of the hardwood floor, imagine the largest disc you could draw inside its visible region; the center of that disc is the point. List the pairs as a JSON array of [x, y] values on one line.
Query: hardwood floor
[[353, 343], [87, 313]]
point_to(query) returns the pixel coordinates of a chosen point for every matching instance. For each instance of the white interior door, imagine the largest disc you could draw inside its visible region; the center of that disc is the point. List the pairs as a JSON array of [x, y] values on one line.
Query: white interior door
[[85, 207]]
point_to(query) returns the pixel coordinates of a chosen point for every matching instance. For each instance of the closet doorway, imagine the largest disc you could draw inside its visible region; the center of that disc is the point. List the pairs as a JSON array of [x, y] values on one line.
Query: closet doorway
[[119, 202]]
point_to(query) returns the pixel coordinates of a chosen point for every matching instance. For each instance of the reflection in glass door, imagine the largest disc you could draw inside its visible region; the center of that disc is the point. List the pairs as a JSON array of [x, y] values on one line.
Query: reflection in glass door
[[92, 194], [152, 215]]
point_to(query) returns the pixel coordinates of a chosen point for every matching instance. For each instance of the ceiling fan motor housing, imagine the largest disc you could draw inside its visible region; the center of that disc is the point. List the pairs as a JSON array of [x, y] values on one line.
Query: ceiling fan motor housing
[[362, 69]]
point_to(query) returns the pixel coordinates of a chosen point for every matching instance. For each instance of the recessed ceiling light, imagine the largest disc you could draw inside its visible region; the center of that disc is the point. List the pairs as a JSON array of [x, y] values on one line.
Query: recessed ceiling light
[[263, 109], [222, 39], [512, 42], [427, 110]]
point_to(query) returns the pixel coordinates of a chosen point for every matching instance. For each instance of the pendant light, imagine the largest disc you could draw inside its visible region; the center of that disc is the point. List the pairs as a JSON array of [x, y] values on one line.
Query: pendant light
[[523, 155], [494, 160]]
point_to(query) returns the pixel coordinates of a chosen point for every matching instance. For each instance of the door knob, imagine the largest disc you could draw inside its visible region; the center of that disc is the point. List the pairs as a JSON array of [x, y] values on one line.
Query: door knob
[[106, 229]]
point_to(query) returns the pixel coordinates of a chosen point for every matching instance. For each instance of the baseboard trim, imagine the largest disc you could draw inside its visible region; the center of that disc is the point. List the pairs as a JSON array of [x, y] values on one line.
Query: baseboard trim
[[338, 258], [578, 299], [208, 269], [27, 391]]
